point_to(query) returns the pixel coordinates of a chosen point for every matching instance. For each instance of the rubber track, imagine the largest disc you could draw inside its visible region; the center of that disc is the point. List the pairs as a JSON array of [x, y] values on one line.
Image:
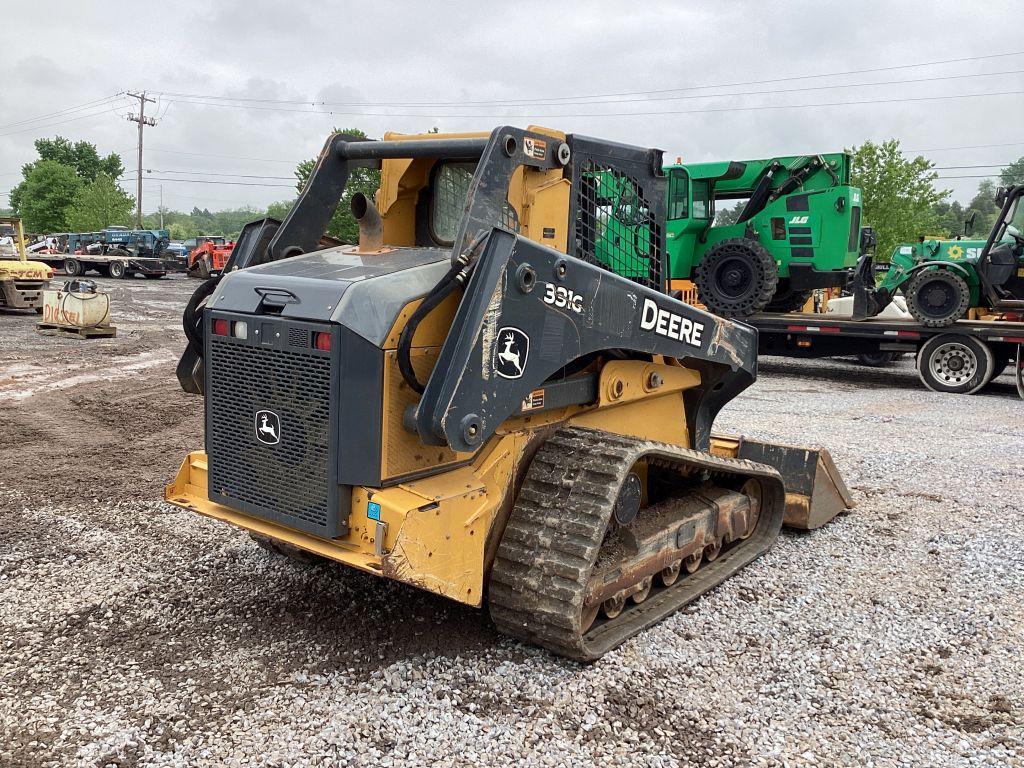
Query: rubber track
[[557, 526]]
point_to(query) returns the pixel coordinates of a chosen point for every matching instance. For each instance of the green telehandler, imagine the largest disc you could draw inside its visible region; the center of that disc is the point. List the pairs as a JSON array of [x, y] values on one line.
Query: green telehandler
[[800, 229]]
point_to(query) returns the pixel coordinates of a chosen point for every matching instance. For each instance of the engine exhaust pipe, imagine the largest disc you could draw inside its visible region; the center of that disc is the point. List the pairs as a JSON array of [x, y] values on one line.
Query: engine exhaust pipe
[[371, 231]]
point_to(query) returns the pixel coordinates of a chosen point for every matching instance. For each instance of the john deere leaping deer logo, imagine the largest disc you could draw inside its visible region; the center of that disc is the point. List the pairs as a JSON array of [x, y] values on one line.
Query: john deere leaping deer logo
[[510, 352], [268, 427]]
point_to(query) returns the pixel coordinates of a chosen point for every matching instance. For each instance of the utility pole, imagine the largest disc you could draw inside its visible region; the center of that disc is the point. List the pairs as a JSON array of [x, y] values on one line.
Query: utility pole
[[161, 206], [143, 121]]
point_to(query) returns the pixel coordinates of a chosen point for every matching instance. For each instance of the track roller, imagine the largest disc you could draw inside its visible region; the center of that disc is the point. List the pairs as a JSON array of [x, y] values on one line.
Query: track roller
[[573, 576]]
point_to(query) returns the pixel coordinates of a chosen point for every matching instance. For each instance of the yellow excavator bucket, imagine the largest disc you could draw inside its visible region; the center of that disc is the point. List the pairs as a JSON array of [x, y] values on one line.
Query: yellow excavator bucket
[[815, 491]]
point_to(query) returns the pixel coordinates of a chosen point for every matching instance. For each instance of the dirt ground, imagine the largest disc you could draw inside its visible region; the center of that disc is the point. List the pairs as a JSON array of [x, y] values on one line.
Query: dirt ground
[[133, 633]]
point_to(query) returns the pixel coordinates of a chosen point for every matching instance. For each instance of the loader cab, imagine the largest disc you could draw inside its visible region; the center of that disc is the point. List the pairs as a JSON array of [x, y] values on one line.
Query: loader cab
[[691, 212], [1001, 265]]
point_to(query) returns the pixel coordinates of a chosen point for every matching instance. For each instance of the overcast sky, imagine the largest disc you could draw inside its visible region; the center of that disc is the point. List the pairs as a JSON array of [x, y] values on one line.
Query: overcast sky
[[376, 62]]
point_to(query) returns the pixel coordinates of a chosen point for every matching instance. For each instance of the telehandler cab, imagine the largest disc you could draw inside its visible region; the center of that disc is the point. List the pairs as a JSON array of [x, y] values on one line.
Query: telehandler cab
[[471, 402]]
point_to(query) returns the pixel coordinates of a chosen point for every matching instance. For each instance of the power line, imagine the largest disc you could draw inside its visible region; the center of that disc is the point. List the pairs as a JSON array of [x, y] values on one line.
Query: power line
[[571, 99], [515, 103], [708, 110], [209, 173], [62, 122], [962, 167], [226, 157], [66, 111], [972, 146], [229, 183]]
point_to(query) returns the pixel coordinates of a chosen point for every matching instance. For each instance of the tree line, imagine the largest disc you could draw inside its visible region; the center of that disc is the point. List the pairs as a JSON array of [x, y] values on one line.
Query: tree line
[[72, 188]]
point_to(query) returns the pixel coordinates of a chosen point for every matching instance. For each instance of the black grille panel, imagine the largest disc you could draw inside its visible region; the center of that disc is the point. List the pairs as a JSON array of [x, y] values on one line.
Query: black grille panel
[[292, 482], [617, 226]]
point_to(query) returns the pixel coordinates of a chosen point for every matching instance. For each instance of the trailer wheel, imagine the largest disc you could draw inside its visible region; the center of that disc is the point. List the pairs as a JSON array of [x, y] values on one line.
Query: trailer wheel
[[73, 267], [938, 298], [737, 277], [118, 269], [953, 363]]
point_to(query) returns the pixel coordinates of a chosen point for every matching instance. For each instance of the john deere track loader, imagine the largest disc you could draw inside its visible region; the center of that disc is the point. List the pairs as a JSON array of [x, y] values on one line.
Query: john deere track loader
[[471, 402]]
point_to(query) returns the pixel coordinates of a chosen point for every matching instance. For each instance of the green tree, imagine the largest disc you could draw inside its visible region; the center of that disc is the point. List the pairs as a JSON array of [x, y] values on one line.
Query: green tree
[[182, 230], [81, 157], [898, 195], [950, 218], [366, 180], [46, 194], [983, 209], [726, 215], [1013, 173], [279, 209], [99, 204]]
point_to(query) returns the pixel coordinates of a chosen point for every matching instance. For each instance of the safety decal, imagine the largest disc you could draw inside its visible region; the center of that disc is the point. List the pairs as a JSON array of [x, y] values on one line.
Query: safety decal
[[373, 510], [510, 352], [533, 401], [535, 148]]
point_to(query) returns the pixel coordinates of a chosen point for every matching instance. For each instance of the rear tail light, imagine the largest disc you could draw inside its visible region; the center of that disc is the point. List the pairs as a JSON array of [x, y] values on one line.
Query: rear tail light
[[239, 330], [220, 327], [322, 341]]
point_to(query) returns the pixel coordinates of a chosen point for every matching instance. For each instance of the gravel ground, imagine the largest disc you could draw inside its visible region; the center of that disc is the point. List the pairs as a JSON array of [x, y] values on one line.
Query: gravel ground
[[136, 634]]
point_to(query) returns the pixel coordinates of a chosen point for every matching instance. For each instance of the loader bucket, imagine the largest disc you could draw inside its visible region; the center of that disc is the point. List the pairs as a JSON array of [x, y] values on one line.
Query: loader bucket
[[815, 491]]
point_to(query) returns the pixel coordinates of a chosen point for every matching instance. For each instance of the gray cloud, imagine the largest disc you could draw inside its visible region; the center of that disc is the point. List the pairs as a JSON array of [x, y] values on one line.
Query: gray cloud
[[403, 53]]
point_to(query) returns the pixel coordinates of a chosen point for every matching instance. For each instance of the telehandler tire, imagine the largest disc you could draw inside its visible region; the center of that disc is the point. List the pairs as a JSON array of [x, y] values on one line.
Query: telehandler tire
[[736, 278], [937, 298], [954, 363]]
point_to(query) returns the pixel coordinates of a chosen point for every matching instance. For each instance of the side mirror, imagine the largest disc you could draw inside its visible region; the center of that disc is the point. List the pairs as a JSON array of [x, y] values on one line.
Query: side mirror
[[1001, 194], [969, 223]]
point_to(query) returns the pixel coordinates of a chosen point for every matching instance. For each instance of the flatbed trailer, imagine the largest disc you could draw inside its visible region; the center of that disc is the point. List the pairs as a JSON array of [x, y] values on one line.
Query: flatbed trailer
[[117, 264], [960, 359]]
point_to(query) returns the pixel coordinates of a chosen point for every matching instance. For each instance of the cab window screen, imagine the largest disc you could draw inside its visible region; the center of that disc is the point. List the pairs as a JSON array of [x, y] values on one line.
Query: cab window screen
[[448, 202], [678, 194], [451, 185]]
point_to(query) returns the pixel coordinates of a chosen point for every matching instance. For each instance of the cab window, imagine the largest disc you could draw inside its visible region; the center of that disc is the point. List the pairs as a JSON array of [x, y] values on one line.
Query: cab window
[[701, 200], [678, 194]]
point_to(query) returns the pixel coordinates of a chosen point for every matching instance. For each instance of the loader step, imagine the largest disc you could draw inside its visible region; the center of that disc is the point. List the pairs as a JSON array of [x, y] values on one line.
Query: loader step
[[557, 558]]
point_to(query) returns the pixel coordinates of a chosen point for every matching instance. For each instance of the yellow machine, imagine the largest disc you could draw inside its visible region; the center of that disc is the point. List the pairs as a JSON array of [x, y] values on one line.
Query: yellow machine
[[472, 402], [22, 282]]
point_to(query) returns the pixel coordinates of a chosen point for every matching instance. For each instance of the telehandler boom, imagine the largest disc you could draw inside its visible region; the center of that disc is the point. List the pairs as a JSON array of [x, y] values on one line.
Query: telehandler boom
[[471, 402]]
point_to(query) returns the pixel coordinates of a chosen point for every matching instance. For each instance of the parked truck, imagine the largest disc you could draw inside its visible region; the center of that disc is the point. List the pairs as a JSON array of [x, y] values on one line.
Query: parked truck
[[116, 252]]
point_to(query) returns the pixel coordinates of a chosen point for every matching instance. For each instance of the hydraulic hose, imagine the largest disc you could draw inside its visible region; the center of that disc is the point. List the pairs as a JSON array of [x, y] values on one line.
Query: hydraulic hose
[[455, 277]]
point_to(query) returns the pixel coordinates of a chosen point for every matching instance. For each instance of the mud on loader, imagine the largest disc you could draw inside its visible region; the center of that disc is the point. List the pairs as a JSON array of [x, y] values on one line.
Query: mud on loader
[[469, 402]]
